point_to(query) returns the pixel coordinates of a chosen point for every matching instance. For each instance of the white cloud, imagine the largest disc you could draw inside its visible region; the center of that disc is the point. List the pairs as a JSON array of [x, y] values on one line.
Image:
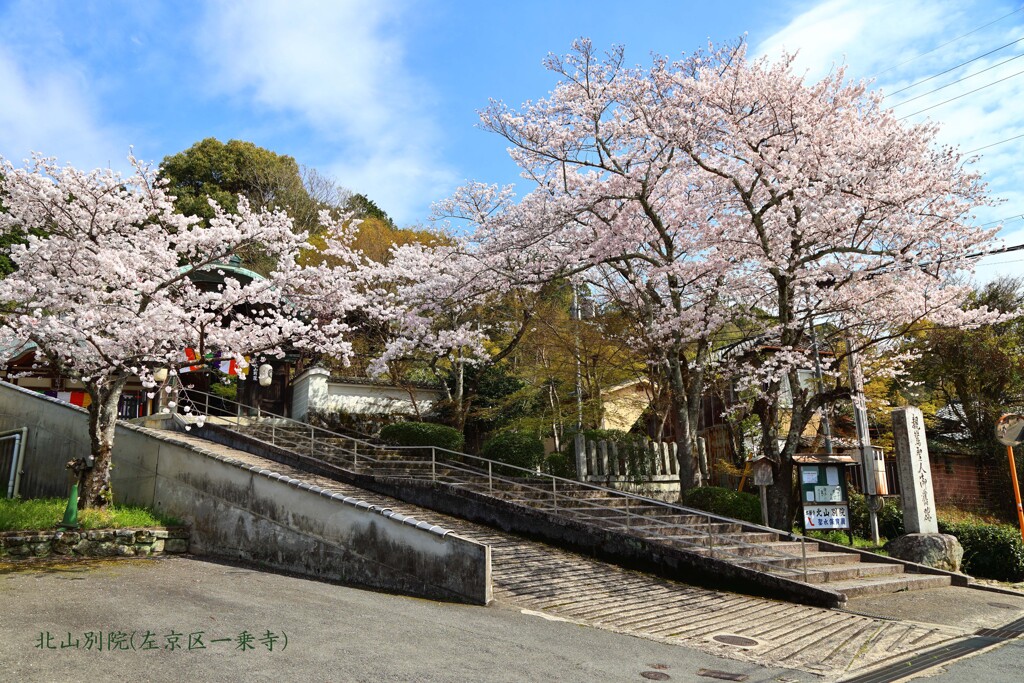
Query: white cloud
[[869, 35], [49, 110], [341, 68], [899, 44]]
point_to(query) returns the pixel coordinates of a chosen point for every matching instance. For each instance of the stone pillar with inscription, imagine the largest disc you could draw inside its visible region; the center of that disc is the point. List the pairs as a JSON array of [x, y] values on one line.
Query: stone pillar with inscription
[[915, 471]]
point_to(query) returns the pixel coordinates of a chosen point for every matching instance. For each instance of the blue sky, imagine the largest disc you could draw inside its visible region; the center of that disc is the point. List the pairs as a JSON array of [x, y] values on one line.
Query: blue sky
[[382, 95]]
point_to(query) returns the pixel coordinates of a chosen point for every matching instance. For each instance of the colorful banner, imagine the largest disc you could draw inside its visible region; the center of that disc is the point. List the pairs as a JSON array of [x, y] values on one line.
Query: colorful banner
[[75, 398]]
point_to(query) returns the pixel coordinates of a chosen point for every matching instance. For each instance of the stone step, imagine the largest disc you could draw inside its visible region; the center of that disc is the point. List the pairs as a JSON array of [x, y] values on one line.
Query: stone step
[[814, 559], [852, 588], [723, 539], [833, 573], [781, 549], [669, 528]]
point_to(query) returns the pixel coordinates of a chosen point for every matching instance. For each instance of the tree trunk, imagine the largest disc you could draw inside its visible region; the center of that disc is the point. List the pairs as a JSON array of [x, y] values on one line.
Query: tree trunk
[[783, 495], [95, 490], [682, 410]]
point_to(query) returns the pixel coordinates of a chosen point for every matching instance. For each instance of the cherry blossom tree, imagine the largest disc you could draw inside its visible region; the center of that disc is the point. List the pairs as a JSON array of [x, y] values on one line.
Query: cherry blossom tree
[[833, 211], [104, 286], [621, 209], [714, 188], [444, 307]]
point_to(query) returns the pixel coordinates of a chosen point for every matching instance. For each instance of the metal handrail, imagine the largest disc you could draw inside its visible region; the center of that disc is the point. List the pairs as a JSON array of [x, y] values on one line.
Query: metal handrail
[[361, 452]]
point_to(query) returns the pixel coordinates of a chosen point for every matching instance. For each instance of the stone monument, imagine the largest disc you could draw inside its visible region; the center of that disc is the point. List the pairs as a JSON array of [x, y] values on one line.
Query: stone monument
[[915, 471]]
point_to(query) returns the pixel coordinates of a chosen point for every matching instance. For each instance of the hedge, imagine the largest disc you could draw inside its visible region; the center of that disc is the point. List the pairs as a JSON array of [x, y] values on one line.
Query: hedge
[[515, 448], [422, 434], [991, 551], [724, 502]]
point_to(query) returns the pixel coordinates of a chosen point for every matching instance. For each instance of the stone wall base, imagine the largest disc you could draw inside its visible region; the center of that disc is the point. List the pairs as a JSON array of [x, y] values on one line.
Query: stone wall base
[[26, 545]]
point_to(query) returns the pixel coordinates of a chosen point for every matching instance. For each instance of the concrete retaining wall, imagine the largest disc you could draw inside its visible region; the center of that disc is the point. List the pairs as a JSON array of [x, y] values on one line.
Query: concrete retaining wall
[[620, 548], [241, 512]]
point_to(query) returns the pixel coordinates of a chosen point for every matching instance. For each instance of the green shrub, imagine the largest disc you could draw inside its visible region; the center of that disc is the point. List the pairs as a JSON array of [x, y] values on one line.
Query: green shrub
[[991, 551], [422, 434], [725, 502], [834, 536], [890, 517], [561, 465], [515, 448]]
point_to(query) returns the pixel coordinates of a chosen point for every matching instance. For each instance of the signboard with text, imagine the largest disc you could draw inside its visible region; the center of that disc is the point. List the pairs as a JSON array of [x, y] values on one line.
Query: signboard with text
[[826, 517], [823, 494]]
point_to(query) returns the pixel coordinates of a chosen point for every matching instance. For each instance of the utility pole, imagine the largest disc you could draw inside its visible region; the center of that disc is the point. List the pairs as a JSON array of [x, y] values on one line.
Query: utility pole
[[577, 316], [826, 427], [867, 456]]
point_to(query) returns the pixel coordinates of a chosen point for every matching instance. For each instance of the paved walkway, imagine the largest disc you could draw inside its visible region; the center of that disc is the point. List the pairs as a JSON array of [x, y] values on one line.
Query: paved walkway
[[565, 585], [145, 614]]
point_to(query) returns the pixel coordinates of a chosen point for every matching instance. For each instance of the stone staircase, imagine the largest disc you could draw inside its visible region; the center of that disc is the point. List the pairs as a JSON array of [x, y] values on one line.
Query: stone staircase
[[840, 569]]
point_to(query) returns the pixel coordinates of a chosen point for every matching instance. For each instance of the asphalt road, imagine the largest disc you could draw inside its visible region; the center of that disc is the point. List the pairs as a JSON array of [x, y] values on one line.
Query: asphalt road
[[175, 619]]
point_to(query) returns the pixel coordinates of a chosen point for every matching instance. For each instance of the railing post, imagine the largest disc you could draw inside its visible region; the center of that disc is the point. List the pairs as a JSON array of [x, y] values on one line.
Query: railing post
[[627, 513], [711, 540], [490, 480], [803, 552], [312, 439], [273, 434], [206, 398], [238, 413], [554, 492], [433, 464]]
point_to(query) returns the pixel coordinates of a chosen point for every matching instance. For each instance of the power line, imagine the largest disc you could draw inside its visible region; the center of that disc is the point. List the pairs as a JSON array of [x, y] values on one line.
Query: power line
[[959, 80], [921, 111], [1000, 263], [943, 73], [1015, 217], [994, 144], [949, 42]]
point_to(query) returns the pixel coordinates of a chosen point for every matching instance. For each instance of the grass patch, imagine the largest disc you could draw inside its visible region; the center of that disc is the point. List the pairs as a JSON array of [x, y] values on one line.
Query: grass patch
[[954, 515], [39, 514]]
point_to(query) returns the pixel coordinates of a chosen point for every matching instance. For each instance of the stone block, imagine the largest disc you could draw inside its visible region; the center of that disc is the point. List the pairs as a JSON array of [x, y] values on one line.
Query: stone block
[[104, 549], [941, 551], [63, 545]]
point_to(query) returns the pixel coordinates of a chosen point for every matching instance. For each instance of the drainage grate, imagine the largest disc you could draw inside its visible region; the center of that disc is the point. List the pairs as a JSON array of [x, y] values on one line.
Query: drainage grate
[[925, 660], [999, 633], [1016, 625], [722, 675]]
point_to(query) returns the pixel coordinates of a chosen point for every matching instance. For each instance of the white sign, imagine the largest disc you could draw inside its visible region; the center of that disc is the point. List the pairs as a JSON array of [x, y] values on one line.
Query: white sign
[[828, 494], [810, 475], [832, 476], [826, 517]]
